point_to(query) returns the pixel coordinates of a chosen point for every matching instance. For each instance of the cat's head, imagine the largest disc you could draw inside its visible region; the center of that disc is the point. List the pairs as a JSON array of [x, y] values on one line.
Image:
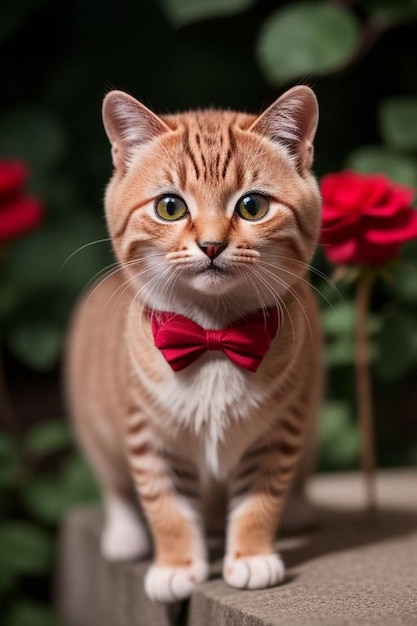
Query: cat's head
[[213, 207]]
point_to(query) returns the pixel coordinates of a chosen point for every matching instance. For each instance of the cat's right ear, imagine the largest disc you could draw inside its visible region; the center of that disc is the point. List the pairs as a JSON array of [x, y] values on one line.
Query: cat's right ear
[[292, 122], [128, 124]]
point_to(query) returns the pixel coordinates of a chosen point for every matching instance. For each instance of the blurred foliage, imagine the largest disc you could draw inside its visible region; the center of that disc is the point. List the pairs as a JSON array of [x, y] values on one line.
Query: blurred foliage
[[184, 11], [57, 61], [312, 37], [40, 477]]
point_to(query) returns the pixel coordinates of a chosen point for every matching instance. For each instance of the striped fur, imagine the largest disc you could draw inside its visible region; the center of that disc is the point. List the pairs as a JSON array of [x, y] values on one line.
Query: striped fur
[[175, 437]]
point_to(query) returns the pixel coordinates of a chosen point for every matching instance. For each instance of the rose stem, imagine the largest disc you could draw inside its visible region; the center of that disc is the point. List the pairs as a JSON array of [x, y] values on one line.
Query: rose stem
[[363, 389]]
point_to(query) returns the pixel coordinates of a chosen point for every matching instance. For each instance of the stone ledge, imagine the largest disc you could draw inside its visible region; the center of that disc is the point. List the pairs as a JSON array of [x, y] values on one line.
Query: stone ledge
[[352, 569]]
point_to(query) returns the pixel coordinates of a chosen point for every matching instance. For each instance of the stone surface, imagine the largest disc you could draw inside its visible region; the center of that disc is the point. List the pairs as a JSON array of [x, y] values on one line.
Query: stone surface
[[352, 568]]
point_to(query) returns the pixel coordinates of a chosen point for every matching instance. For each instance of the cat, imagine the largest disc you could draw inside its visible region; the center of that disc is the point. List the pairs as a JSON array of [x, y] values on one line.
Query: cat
[[214, 218]]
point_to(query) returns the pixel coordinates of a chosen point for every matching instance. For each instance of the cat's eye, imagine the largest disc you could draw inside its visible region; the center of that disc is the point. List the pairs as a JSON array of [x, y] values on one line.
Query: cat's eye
[[253, 207], [170, 208]]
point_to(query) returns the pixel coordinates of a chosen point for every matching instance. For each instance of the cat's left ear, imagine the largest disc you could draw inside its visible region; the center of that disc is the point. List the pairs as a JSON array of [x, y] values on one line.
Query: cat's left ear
[[128, 124], [292, 122]]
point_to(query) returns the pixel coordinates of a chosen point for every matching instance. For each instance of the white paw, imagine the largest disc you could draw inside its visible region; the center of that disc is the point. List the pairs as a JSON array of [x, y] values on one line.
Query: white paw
[[124, 541], [254, 572], [169, 584]]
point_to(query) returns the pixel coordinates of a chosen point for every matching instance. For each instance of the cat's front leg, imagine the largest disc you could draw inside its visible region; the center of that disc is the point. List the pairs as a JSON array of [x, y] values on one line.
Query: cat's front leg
[[257, 496], [167, 489]]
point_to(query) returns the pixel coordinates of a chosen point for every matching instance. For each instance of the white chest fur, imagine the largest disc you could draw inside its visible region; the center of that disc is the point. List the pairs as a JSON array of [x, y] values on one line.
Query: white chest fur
[[211, 401]]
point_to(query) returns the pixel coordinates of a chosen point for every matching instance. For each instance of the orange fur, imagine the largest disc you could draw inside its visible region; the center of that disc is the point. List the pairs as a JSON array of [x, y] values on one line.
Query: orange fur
[[171, 435]]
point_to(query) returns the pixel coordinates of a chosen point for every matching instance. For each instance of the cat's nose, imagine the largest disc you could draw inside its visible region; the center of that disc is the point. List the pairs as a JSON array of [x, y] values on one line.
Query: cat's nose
[[212, 248]]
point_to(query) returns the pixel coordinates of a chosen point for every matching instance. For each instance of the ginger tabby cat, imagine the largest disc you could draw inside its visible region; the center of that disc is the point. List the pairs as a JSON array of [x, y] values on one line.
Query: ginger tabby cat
[[214, 217]]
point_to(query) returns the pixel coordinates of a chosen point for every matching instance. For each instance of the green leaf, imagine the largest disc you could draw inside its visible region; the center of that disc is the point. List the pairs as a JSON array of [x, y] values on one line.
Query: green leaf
[[340, 351], [49, 498], [27, 613], [339, 324], [185, 11], [340, 320], [8, 299], [79, 478], [409, 254], [7, 581], [38, 344], [339, 439], [51, 436], [34, 136], [391, 12], [9, 461], [39, 261], [7, 501], [398, 347], [379, 160], [397, 120], [306, 38], [24, 548], [34, 261], [405, 282]]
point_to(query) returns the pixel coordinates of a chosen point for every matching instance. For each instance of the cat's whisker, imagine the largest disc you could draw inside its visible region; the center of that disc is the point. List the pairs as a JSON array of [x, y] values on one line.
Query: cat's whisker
[[161, 296], [246, 272], [108, 269], [174, 281], [151, 309], [86, 245], [279, 302], [118, 268], [292, 292], [289, 289], [162, 278], [115, 265], [118, 293], [297, 277], [309, 267], [114, 296], [102, 280]]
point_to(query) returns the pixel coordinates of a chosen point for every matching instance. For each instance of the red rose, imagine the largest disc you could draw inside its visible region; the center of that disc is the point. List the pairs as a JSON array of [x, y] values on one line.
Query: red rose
[[18, 212], [365, 218]]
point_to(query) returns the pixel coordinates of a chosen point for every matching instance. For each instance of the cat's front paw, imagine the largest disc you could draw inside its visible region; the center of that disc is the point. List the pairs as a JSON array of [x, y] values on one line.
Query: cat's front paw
[[170, 584], [254, 572], [124, 541]]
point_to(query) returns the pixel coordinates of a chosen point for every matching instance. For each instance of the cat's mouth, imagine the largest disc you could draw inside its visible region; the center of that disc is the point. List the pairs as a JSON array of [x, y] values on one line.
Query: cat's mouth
[[213, 270], [213, 278]]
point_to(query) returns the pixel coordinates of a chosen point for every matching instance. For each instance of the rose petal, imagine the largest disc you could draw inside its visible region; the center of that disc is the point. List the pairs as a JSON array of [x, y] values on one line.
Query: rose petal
[[12, 176], [18, 217], [398, 199], [350, 191], [366, 218], [336, 233], [332, 213], [398, 229], [343, 253]]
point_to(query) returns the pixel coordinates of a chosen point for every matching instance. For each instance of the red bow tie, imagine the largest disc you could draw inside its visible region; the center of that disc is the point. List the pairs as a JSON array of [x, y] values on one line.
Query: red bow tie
[[245, 342]]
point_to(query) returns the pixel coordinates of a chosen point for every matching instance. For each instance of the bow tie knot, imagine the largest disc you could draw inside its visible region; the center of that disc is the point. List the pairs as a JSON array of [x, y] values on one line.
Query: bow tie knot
[[245, 342], [214, 339]]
